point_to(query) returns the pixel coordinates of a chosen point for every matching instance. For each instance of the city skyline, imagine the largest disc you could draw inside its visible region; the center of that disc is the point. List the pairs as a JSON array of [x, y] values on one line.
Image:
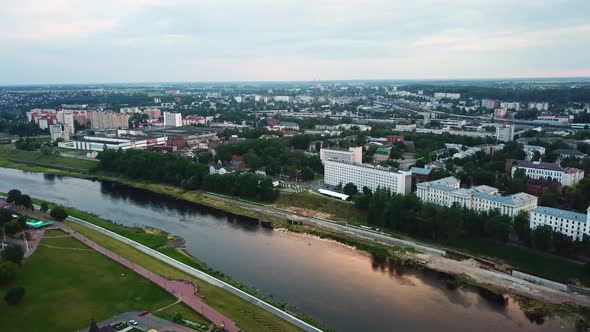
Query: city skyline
[[180, 41]]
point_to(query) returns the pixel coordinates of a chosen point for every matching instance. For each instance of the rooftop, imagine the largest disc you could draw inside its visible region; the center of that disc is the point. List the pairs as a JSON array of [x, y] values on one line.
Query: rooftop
[[420, 170], [558, 213], [539, 165], [376, 167]]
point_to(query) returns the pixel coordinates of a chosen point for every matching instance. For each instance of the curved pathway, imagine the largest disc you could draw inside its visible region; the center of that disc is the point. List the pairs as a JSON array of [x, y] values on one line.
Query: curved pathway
[[183, 290]]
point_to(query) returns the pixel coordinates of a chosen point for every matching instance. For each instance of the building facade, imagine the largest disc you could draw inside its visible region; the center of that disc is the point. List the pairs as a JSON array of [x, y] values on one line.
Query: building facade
[[108, 120], [540, 170], [172, 119], [446, 192], [505, 133], [372, 177], [572, 224], [353, 155]]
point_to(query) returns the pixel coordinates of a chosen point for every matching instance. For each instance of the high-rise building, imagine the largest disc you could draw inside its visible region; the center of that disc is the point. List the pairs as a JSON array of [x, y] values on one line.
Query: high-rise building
[[541, 106], [362, 175], [511, 106], [505, 133], [353, 155], [172, 119], [153, 113], [109, 120], [490, 104]]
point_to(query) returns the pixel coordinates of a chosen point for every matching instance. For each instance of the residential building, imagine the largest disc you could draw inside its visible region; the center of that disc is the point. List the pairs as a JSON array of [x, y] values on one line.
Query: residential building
[[362, 175], [446, 192], [505, 133], [541, 170], [281, 98], [381, 155], [129, 110], [395, 138], [568, 153], [572, 224], [108, 120], [59, 131], [490, 104], [153, 113], [500, 113], [353, 155], [172, 119], [510, 106], [540, 106], [218, 170]]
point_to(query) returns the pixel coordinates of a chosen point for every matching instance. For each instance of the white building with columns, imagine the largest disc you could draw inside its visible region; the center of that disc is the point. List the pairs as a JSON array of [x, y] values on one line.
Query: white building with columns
[[446, 192]]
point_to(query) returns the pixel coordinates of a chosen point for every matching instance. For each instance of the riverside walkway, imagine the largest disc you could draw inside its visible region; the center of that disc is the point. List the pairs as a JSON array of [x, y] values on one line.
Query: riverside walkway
[[183, 290]]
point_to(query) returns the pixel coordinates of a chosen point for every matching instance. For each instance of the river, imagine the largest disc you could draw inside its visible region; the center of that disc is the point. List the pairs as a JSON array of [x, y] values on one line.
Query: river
[[345, 289]]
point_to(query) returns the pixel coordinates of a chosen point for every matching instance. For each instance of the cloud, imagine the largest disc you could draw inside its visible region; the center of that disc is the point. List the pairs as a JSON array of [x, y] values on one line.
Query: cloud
[[179, 40]]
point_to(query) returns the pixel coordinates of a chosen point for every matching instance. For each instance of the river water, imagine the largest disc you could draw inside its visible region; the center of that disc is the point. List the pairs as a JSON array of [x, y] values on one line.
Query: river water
[[343, 288]]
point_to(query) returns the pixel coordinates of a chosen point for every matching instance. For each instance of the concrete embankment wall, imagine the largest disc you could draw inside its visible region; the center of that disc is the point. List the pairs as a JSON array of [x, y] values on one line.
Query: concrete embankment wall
[[204, 276], [540, 281]]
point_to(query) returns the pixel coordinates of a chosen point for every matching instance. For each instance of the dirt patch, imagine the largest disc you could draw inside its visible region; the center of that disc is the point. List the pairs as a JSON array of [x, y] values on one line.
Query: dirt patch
[[309, 213]]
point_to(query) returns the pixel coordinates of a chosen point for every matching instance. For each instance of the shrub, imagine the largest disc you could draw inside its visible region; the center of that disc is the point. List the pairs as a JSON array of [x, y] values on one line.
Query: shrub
[[13, 253], [8, 271], [58, 213], [14, 295]]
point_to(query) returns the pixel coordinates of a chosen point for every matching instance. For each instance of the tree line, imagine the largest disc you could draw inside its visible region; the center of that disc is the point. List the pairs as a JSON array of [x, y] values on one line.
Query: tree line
[[409, 215], [174, 170]]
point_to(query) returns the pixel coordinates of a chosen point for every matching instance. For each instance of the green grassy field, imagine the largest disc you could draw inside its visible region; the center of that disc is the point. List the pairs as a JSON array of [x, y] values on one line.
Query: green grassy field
[[66, 288], [35, 161], [186, 312], [526, 260], [246, 315]]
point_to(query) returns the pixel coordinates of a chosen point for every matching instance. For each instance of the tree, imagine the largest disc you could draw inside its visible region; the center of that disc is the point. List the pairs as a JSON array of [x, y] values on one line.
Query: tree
[[339, 186], [522, 227], [542, 237], [13, 253], [58, 213], [12, 227], [13, 195], [25, 201], [350, 189], [44, 207], [5, 216], [8, 271], [14, 295]]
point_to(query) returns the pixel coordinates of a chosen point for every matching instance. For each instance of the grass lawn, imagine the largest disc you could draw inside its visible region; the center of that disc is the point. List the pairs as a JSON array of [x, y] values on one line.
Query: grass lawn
[[65, 288], [340, 210], [526, 260], [186, 312], [37, 160], [246, 315]]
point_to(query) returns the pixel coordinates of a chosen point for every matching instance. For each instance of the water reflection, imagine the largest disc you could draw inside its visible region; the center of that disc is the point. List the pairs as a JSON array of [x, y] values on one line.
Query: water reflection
[[346, 289]]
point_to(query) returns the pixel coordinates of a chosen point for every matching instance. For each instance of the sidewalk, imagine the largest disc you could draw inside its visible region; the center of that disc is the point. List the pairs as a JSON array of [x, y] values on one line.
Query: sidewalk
[[185, 291]]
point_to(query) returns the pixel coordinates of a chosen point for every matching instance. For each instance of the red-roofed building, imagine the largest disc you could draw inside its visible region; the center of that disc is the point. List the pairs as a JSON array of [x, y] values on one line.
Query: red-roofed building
[[395, 138], [237, 162]]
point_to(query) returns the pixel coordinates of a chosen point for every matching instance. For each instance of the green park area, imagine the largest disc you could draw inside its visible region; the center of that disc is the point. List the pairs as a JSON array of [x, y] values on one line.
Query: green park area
[[67, 284], [37, 161], [246, 315]]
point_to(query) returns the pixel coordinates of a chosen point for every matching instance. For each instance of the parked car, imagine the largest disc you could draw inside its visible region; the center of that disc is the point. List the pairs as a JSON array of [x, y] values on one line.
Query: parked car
[[133, 322]]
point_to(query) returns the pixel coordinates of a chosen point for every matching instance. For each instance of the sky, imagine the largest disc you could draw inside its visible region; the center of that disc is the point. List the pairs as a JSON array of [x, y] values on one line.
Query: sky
[[108, 41]]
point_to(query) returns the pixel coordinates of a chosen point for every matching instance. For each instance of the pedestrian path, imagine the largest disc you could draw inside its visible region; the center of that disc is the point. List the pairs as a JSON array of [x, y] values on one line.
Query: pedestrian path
[[183, 290]]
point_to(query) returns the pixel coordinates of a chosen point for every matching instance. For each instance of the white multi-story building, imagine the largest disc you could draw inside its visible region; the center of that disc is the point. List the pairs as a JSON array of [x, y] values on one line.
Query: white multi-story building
[[572, 224], [129, 110], [490, 103], [281, 98], [353, 155], [539, 170], [510, 106], [541, 106], [505, 133], [172, 119], [362, 175], [446, 192]]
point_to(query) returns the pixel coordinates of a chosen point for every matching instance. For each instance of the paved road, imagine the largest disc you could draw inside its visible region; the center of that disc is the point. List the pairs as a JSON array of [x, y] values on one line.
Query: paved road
[[146, 322], [183, 290], [358, 232]]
